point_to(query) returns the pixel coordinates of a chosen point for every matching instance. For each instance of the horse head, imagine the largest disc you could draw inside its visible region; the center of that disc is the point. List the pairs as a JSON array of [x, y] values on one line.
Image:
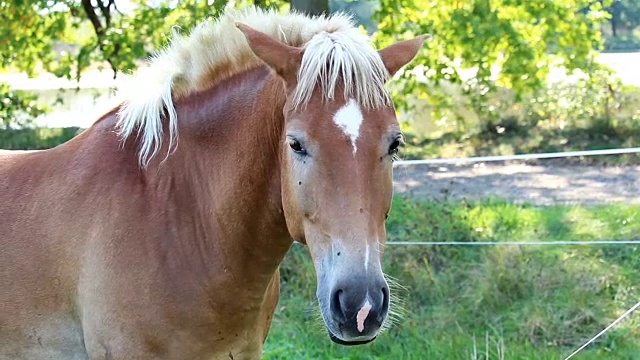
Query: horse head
[[340, 137]]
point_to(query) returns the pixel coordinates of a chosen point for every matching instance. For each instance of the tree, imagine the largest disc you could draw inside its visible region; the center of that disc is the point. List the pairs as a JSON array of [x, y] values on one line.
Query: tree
[[504, 43], [102, 32], [66, 37], [498, 44], [311, 7], [17, 107], [362, 11], [625, 13]]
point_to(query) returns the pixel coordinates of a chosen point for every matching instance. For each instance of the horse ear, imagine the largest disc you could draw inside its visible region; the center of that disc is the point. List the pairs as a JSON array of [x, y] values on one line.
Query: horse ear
[[401, 53], [282, 58]]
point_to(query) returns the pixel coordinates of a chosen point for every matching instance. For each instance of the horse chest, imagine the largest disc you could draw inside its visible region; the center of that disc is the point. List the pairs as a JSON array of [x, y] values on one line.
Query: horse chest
[[178, 320]]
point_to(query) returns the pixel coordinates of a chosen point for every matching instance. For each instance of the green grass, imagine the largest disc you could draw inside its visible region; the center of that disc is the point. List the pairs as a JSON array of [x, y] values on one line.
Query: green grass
[[511, 302]]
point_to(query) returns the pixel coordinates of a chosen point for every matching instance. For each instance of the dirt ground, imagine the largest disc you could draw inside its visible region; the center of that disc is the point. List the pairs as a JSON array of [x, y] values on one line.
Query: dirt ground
[[536, 184]]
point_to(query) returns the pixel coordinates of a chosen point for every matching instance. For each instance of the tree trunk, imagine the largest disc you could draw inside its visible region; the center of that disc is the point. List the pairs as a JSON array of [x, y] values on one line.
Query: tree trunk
[[311, 7]]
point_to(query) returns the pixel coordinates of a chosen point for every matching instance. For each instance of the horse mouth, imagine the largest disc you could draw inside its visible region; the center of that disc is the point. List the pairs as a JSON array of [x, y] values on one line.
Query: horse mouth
[[349, 343]]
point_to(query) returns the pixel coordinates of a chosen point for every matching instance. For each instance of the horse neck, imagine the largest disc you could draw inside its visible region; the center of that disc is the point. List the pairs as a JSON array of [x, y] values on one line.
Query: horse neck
[[224, 178]]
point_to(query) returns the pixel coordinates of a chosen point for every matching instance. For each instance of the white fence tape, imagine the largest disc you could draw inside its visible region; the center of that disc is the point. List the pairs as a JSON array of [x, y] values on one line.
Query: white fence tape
[[477, 159], [626, 313], [480, 243]]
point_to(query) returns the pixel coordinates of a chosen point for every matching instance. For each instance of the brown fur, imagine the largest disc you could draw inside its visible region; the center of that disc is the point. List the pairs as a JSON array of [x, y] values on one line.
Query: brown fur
[[103, 260]]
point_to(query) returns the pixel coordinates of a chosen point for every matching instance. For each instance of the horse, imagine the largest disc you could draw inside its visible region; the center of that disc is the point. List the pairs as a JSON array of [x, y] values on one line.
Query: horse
[[158, 231]]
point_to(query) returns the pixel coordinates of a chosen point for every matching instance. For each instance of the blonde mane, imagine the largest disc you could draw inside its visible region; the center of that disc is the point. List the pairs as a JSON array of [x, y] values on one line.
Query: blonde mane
[[334, 50]]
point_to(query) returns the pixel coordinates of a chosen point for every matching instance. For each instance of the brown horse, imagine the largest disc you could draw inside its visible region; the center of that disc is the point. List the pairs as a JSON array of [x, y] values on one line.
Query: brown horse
[[131, 242]]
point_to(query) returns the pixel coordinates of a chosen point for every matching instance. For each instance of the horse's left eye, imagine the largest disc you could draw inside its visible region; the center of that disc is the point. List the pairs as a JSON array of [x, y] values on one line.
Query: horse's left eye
[[393, 148], [297, 147]]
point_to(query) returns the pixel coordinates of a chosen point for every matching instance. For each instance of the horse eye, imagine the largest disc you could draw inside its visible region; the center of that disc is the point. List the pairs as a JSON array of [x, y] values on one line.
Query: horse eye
[[393, 149], [295, 146]]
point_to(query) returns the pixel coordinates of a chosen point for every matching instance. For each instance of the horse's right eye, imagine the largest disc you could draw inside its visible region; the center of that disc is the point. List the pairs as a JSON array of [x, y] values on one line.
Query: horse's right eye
[[397, 142], [297, 147]]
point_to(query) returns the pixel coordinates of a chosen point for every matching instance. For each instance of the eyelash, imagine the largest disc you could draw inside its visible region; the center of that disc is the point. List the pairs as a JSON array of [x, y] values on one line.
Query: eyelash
[[394, 148]]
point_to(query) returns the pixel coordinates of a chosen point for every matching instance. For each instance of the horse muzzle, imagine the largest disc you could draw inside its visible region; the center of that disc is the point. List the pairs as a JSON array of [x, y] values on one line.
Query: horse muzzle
[[357, 309]]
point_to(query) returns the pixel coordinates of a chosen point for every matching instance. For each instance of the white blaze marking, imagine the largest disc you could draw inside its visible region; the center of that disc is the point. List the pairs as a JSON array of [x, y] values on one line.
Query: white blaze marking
[[349, 118], [362, 315], [366, 257]]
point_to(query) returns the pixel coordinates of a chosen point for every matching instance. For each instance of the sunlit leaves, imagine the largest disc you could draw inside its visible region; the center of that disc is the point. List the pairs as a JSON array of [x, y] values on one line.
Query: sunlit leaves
[[26, 33], [17, 107], [478, 45], [34, 32], [484, 45]]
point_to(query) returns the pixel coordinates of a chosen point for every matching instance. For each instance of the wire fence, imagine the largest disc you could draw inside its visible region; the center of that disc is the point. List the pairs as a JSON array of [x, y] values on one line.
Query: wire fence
[[477, 159], [556, 155], [614, 323], [519, 243], [566, 154]]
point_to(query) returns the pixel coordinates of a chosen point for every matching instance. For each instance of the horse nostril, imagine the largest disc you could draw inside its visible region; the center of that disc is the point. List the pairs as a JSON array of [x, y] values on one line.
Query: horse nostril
[[336, 305], [385, 303]]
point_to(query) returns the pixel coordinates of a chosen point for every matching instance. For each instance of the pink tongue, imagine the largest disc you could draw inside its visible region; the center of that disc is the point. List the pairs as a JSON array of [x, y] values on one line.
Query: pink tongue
[[362, 315]]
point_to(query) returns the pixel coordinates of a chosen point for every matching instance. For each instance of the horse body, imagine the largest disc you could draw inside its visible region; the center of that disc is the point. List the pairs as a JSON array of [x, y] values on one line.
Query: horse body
[[142, 249], [158, 269]]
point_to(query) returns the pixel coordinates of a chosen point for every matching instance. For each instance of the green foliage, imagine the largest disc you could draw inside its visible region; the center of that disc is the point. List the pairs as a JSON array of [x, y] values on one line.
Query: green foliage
[[602, 134], [35, 138], [28, 28], [18, 108], [521, 302], [98, 31], [483, 45], [623, 34], [362, 11], [67, 37], [625, 13], [623, 43], [587, 113]]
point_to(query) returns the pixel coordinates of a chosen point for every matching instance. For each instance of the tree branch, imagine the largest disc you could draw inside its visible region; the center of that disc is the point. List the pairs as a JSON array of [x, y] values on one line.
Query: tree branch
[[93, 17], [106, 12], [115, 7], [100, 30]]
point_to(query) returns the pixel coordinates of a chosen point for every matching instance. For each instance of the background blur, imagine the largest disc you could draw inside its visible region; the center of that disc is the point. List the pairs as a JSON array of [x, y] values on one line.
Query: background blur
[[498, 77]]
